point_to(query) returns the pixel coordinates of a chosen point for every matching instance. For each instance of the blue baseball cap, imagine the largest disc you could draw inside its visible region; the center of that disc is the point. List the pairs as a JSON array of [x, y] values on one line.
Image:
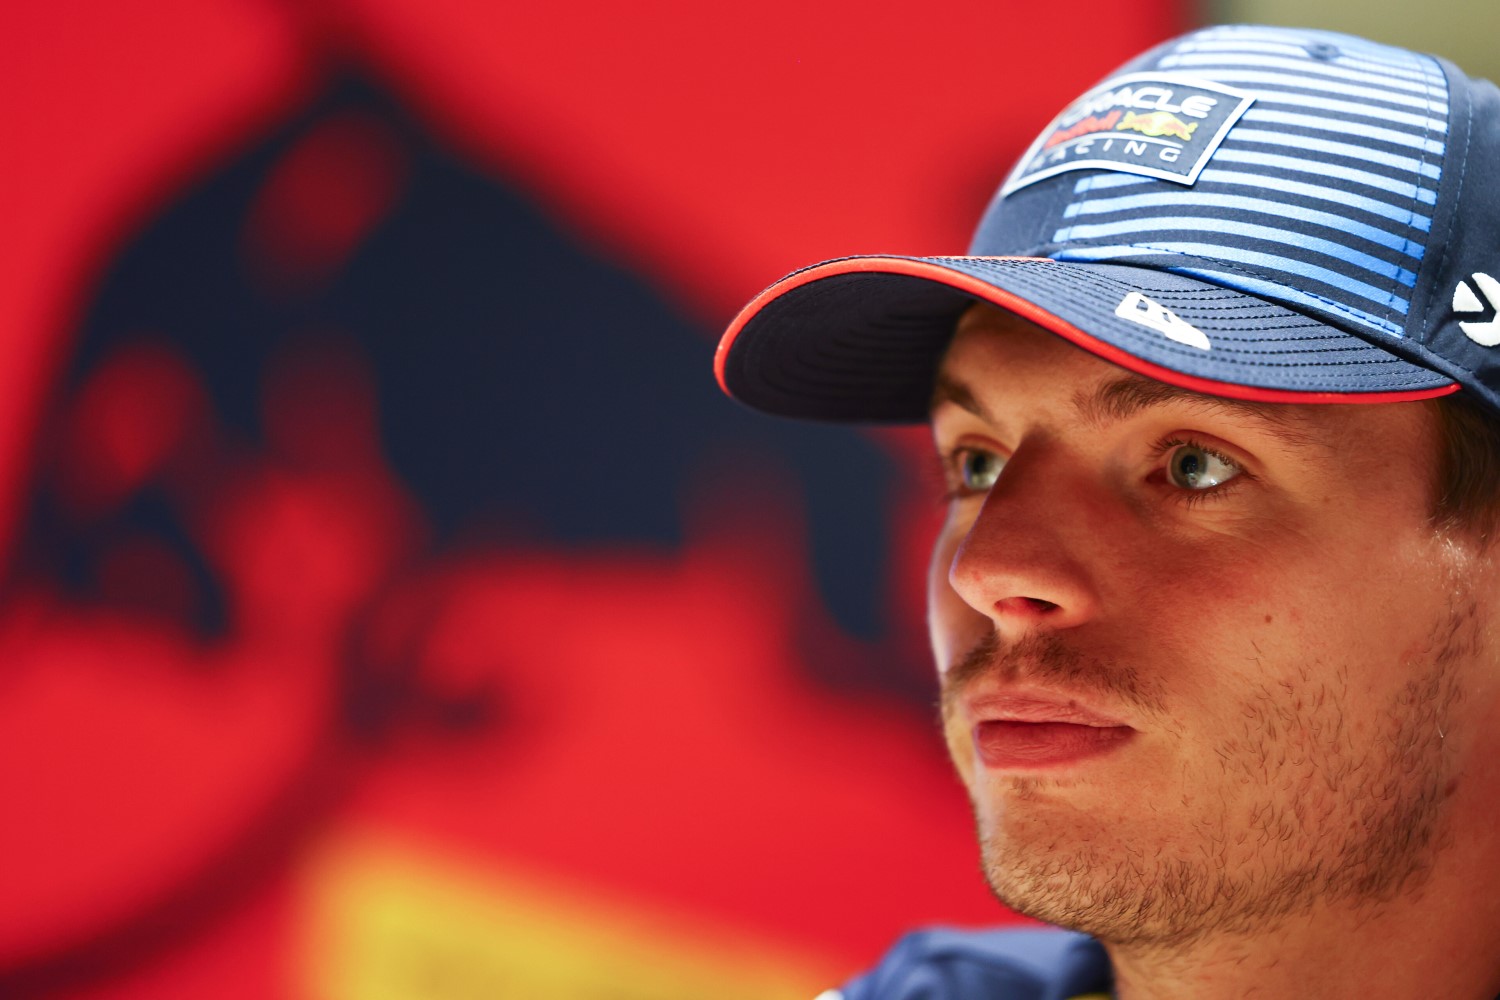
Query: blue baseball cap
[[1256, 212]]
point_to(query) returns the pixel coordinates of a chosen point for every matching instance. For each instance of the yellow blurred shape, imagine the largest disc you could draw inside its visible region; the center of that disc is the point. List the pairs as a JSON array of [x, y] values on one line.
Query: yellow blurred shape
[[391, 922]]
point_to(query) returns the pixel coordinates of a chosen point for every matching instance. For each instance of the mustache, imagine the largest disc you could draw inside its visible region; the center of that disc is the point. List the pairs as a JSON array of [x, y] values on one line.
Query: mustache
[[1044, 658]]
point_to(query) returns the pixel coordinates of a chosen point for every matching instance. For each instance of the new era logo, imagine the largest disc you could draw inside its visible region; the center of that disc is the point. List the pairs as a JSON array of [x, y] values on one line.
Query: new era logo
[[1485, 333], [1139, 309]]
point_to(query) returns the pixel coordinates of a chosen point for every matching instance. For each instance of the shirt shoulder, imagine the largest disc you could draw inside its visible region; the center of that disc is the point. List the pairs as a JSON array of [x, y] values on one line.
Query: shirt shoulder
[[1003, 965]]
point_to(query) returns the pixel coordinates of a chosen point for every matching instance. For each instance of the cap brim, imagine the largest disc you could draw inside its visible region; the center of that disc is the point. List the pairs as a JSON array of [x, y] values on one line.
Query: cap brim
[[860, 338]]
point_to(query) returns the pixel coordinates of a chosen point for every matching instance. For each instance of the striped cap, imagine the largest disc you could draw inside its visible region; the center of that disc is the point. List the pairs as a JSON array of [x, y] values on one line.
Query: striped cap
[[1262, 213]]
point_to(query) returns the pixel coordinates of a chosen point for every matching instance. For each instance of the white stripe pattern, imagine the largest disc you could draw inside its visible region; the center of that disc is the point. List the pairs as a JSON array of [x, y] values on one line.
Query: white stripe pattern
[[1381, 80], [1330, 177]]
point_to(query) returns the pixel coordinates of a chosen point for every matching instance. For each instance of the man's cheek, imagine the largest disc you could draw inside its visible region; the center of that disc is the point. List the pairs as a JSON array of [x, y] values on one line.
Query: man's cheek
[[952, 626], [960, 750]]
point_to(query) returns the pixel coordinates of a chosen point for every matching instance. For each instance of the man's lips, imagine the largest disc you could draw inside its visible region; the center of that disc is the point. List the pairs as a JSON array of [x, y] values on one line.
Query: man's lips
[[1011, 745], [1014, 731], [1035, 707]]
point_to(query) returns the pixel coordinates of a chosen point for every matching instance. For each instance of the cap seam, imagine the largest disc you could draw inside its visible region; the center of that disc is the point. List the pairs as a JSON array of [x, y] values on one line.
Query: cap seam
[[1250, 359], [1096, 279], [1247, 300], [1442, 268], [1423, 160], [1337, 307]]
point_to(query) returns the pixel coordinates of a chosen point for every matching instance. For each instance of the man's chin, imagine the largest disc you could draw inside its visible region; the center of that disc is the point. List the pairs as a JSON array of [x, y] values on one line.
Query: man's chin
[[1116, 896], [1115, 917]]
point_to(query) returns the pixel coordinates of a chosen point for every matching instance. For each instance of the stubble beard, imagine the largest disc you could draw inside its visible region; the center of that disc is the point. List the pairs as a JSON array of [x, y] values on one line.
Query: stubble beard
[[1330, 822]]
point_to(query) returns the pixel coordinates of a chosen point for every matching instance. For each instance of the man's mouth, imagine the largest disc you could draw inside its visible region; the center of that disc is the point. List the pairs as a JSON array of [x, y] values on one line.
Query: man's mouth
[[1008, 744], [1029, 730]]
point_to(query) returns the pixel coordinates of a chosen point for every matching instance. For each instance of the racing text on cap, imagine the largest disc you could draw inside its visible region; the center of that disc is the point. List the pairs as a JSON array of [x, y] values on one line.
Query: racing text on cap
[[1155, 124]]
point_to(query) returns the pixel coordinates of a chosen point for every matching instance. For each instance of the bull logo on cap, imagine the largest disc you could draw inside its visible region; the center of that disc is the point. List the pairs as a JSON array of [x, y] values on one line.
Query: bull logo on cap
[[1158, 123]]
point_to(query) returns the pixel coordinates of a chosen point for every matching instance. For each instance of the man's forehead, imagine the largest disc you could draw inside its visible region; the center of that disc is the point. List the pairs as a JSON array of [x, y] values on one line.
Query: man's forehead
[[1127, 394], [1100, 393]]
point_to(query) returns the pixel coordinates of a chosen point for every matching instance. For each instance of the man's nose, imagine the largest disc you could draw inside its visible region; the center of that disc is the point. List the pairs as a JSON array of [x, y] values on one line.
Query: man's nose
[[1025, 560]]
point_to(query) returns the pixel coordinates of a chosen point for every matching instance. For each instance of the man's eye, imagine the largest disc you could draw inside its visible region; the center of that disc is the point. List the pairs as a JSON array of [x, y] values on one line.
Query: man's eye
[[978, 470], [1190, 467]]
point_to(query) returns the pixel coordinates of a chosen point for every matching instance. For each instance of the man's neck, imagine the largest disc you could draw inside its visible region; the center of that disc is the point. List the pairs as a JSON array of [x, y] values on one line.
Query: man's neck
[[1440, 941]]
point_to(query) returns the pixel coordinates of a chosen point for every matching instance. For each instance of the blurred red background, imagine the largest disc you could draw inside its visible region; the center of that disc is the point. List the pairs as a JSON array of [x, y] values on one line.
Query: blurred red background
[[392, 607]]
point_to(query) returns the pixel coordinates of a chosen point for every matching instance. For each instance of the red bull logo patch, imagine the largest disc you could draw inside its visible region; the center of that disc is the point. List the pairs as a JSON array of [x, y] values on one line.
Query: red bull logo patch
[[1154, 124]]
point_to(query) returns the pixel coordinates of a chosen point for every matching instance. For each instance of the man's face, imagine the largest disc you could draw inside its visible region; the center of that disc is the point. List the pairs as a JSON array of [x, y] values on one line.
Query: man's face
[[1203, 663]]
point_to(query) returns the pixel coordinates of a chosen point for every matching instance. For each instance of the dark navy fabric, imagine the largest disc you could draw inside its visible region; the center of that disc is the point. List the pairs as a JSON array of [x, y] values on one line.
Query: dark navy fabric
[[987, 965], [1321, 197], [865, 346], [1349, 198]]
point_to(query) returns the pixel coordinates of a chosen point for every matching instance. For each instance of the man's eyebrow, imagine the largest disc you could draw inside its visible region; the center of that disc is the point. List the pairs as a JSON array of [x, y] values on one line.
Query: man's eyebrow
[[946, 389], [1128, 395], [1123, 397]]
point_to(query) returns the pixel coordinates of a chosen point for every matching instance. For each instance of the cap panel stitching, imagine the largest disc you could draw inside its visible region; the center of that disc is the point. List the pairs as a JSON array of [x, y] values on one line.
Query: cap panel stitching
[[1442, 268], [1240, 269], [1427, 133], [1250, 359]]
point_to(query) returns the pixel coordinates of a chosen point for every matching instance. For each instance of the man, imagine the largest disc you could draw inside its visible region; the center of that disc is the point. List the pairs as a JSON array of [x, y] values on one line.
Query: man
[[1215, 606]]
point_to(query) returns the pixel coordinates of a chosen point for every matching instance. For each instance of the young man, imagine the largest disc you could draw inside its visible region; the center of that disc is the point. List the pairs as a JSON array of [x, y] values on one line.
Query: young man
[[1216, 609]]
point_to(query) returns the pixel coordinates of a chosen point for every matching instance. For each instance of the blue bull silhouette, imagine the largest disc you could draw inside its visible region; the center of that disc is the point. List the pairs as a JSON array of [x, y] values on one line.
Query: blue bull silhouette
[[529, 390]]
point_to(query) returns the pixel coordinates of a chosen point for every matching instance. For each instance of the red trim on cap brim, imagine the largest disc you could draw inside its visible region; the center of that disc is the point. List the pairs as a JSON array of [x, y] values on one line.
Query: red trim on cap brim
[[1041, 317]]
